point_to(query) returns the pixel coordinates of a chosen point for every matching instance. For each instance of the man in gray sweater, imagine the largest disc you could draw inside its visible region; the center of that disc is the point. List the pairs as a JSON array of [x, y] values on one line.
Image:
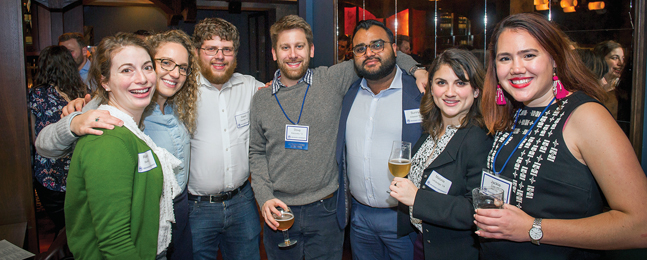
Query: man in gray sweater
[[293, 128]]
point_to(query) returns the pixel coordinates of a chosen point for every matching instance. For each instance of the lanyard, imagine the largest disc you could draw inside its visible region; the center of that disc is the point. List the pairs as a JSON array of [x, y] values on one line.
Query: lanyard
[[303, 103], [516, 117]]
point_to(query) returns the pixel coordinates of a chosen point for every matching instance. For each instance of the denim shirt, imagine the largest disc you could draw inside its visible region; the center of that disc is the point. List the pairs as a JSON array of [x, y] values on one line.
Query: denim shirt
[[168, 132]]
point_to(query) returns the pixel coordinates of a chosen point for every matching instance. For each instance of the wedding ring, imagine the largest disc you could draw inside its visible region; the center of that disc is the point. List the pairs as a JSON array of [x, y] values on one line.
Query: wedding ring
[[96, 119]]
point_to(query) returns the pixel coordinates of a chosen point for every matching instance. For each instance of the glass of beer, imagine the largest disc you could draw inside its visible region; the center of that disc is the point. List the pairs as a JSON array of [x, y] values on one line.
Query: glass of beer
[[286, 220], [400, 159]]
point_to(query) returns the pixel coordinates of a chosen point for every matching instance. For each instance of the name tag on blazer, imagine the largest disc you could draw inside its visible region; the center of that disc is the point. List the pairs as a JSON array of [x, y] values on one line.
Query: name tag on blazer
[[438, 183], [412, 116]]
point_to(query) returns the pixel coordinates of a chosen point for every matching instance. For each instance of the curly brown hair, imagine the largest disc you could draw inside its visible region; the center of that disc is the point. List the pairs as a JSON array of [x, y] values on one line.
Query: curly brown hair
[[100, 69], [185, 99], [468, 69], [290, 22], [570, 69], [210, 27]]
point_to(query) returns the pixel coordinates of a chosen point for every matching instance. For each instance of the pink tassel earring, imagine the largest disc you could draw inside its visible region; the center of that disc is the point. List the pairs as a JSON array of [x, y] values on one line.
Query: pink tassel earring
[[500, 98], [558, 88]]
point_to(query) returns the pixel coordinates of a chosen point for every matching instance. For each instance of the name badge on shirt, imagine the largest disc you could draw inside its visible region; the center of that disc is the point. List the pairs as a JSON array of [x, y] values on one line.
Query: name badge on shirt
[[296, 137], [438, 183], [146, 162], [489, 179], [242, 119], [413, 116]]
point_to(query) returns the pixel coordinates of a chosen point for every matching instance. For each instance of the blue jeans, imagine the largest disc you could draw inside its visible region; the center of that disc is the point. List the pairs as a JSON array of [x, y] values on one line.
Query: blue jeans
[[316, 230], [374, 234], [233, 226], [181, 247]]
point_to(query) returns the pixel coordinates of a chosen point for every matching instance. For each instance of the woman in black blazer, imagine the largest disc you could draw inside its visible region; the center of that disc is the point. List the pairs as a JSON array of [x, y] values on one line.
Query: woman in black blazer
[[435, 199]]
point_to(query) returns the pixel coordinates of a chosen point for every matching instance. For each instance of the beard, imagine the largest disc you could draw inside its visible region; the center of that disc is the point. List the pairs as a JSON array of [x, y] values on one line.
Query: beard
[[387, 66], [294, 74], [207, 73]]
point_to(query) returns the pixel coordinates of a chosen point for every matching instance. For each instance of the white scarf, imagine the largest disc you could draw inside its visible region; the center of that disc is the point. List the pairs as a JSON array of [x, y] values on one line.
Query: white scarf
[[170, 188]]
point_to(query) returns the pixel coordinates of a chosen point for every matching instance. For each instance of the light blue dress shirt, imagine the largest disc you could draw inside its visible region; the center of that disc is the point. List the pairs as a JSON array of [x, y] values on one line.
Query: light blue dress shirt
[[84, 75], [168, 132], [374, 122]]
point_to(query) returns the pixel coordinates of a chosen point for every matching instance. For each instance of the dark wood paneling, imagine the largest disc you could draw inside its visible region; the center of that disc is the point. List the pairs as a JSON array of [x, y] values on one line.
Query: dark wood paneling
[[73, 19], [638, 89], [16, 194]]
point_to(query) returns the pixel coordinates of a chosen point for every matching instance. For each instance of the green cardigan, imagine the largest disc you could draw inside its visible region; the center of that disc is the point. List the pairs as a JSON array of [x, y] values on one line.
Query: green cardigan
[[111, 209]]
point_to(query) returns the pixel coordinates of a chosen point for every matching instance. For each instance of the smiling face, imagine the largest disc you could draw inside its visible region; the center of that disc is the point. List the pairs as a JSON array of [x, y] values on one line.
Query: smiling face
[[524, 68], [132, 81], [374, 65], [453, 96], [292, 55], [218, 68], [170, 82], [616, 61]]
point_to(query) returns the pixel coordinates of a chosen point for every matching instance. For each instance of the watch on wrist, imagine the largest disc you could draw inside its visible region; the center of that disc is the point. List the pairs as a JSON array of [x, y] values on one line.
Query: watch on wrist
[[417, 67], [535, 232]]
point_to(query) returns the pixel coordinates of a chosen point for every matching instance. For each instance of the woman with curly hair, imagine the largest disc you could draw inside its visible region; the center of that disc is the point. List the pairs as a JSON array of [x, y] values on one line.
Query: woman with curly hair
[[169, 120], [57, 81]]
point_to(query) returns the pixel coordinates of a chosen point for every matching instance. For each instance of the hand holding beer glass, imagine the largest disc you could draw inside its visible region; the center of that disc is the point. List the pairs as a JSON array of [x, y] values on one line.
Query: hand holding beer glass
[[286, 220], [400, 159]]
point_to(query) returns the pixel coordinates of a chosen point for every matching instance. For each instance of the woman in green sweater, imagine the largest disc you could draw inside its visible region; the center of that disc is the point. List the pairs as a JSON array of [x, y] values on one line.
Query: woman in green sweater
[[120, 184]]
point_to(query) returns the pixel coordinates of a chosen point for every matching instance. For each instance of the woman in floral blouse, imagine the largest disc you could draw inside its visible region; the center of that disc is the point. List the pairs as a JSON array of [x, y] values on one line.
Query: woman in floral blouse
[[57, 82]]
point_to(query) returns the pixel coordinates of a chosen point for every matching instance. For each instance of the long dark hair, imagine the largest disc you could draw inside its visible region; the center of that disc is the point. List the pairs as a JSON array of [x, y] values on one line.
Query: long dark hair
[[56, 68], [570, 69], [468, 69]]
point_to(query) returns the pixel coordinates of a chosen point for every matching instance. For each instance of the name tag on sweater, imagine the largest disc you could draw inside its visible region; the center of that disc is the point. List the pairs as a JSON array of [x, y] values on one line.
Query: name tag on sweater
[[146, 162], [413, 116], [296, 137]]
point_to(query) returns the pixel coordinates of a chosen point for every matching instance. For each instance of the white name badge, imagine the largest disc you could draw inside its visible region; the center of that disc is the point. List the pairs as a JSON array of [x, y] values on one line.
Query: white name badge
[[412, 116], [146, 162], [490, 180], [242, 119], [438, 183], [296, 137]]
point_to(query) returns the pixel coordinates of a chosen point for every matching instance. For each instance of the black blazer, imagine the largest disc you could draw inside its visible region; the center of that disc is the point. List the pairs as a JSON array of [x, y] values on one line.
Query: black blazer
[[447, 220]]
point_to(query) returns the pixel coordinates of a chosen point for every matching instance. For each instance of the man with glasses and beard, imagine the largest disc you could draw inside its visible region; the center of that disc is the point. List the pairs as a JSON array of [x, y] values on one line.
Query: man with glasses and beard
[[293, 125], [223, 214], [380, 108]]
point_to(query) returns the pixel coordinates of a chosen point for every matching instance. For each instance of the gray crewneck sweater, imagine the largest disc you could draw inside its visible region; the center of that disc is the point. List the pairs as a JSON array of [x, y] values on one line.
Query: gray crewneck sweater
[[299, 177]]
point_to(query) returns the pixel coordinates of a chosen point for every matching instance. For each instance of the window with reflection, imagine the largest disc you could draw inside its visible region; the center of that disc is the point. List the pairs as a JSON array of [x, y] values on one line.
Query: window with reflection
[[425, 28]]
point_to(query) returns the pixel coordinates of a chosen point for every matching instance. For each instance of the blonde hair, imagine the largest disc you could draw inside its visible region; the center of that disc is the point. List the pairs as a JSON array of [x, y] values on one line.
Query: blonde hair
[[185, 99], [290, 22], [100, 68]]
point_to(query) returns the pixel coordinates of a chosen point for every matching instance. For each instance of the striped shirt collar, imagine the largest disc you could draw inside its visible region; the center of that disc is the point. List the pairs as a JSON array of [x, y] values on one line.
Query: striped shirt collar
[[276, 82]]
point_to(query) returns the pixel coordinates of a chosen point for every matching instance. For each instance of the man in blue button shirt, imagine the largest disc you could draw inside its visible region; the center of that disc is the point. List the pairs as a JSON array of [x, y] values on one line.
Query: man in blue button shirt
[[380, 108], [75, 43]]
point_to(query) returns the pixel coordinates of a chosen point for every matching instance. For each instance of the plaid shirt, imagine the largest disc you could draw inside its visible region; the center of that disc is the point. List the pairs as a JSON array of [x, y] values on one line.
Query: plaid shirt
[[276, 82]]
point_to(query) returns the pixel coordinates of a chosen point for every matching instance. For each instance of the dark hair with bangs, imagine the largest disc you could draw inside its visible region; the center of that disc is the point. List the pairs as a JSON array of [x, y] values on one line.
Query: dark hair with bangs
[[468, 69], [569, 68]]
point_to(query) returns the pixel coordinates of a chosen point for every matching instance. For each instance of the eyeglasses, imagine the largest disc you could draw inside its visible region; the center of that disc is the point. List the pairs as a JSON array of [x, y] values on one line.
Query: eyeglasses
[[169, 65], [376, 46], [212, 51]]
